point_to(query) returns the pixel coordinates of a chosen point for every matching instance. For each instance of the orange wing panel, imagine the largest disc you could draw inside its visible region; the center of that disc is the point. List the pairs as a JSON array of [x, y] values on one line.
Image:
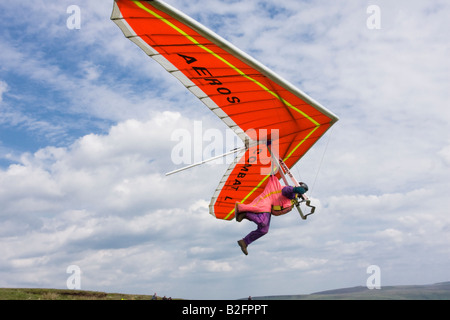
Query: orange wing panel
[[245, 95]]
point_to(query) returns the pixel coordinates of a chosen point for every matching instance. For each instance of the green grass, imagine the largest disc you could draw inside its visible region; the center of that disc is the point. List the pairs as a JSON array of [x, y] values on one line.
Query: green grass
[[58, 294], [438, 291]]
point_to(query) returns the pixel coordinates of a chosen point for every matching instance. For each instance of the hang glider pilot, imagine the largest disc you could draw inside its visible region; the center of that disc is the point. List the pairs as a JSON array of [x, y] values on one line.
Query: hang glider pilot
[[274, 200]]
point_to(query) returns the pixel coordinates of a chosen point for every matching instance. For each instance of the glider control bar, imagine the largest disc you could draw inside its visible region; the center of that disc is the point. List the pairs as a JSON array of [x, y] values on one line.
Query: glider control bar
[[303, 196], [285, 170]]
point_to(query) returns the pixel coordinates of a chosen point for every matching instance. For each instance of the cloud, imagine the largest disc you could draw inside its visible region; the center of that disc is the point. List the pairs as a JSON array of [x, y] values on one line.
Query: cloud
[[107, 193], [64, 82], [3, 89]]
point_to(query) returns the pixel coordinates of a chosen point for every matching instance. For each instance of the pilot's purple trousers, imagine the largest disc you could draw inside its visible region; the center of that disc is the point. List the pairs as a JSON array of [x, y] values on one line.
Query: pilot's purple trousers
[[263, 221]]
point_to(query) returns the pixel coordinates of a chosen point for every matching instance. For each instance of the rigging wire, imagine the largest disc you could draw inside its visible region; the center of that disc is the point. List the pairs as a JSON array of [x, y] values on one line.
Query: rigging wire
[[321, 161]]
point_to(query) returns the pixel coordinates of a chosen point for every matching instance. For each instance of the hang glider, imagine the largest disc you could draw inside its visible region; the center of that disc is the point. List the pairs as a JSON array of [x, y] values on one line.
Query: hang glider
[[258, 105]]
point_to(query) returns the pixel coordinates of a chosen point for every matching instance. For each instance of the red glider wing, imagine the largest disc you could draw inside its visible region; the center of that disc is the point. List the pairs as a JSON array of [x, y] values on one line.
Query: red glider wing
[[256, 103]]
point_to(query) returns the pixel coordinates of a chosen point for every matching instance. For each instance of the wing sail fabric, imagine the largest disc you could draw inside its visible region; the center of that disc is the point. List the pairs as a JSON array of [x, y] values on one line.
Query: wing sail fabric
[[251, 99]]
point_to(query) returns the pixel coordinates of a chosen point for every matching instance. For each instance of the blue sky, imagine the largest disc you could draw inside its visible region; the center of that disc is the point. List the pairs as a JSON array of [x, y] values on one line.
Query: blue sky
[[86, 121]]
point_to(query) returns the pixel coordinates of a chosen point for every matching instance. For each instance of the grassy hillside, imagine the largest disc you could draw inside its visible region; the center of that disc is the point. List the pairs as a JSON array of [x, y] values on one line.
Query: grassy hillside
[[438, 291], [57, 294]]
